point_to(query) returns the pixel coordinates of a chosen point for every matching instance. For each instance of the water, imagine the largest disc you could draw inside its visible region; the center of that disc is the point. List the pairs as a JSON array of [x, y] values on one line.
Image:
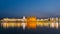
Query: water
[[41, 28]]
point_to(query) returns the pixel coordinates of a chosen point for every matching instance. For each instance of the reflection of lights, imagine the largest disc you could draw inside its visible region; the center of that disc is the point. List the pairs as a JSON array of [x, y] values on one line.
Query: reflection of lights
[[51, 25], [23, 25], [57, 25], [31, 22], [54, 25], [40, 24], [18, 24], [30, 25], [46, 24], [6, 25]]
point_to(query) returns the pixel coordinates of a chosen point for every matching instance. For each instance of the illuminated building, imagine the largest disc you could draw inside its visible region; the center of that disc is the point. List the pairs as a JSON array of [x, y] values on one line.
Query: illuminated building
[[13, 19], [59, 20], [54, 19], [13, 22], [42, 20], [31, 22]]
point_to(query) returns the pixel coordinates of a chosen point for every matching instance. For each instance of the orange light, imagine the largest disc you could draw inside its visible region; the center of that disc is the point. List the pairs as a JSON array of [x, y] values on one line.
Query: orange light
[[31, 22]]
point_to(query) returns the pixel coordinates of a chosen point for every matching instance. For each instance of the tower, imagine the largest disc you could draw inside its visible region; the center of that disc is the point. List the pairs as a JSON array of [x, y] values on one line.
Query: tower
[[24, 17]]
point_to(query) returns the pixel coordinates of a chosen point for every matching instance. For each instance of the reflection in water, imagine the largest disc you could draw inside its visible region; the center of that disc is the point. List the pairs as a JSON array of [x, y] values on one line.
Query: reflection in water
[[50, 25], [54, 25], [6, 25], [23, 25], [31, 25]]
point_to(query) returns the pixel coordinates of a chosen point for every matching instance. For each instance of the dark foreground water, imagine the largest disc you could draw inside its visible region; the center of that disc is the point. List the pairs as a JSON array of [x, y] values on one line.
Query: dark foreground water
[[38, 30]]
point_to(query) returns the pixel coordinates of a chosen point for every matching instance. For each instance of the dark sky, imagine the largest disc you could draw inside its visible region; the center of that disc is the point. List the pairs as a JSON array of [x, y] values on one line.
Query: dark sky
[[39, 8]]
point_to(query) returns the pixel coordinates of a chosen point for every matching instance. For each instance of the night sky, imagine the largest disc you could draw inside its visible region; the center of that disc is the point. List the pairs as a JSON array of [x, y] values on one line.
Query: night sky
[[39, 8]]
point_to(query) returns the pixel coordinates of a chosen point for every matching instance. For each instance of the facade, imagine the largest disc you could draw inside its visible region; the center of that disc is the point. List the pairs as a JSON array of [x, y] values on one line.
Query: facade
[[54, 19], [43, 20], [13, 20], [59, 20], [31, 22]]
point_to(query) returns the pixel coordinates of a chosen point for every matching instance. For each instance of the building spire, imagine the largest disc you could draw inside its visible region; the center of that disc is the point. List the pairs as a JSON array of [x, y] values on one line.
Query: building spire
[[23, 17]]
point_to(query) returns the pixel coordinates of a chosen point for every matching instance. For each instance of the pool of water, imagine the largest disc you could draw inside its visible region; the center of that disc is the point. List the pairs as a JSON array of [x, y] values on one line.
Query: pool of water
[[38, 30], [41, 28]]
